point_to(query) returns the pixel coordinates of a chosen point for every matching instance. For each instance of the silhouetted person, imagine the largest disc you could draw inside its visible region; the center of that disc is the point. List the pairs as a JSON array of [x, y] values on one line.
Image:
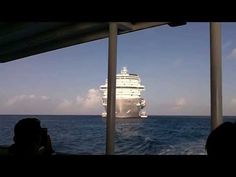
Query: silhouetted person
[[30, 139], [222, 140]]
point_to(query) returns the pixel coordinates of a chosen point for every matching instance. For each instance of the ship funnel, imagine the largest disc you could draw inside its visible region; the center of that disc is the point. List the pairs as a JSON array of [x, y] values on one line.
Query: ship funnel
[[124, 70]]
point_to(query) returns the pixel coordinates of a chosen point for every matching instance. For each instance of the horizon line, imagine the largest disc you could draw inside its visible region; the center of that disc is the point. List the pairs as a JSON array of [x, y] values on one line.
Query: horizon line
[[100, 115]]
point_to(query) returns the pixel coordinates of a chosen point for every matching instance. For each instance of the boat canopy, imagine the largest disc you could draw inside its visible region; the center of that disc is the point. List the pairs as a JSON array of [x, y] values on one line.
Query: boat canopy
[[19, 40]]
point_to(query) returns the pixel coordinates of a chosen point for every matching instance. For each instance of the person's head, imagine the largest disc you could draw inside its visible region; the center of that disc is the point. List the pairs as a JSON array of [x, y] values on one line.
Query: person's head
[[222, 140], [28, 133]]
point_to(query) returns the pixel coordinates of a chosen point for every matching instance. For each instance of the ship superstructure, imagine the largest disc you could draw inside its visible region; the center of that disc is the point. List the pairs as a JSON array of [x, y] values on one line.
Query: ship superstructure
[[129, 102]]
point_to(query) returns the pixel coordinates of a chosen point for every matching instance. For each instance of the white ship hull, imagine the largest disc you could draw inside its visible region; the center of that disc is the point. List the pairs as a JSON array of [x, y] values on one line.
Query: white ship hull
[[128, 108]]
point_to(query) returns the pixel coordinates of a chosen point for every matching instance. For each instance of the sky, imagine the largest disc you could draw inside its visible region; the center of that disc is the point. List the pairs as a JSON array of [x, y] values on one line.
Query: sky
[[172, 62]]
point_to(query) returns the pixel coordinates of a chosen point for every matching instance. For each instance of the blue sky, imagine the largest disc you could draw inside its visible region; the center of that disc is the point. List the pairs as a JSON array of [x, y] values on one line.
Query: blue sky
[[173, 64]]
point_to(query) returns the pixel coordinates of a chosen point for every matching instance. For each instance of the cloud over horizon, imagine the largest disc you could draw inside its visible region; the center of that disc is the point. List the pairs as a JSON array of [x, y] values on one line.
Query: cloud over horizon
[[27, 104], [233, 101], [89, 104], [180, 103], [41, 104], [20, 98]]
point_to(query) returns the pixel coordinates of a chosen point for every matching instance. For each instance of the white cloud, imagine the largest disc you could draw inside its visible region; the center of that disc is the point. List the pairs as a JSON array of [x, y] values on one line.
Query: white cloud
[[92, 99], [65, 104], [24, 98], [229, 108], [89, 104], [32, 96], [15, 99], [233, 101], [28, 104], [20, 98], [180, 103], [79, 99], [233, 54], [44, 98]]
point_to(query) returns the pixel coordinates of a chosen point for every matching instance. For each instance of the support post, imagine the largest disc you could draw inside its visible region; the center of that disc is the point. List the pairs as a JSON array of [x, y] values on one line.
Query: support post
[[111, 98], [216, 74]]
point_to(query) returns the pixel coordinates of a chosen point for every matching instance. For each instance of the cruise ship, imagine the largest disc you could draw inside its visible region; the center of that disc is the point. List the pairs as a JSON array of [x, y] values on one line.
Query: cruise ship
[[129, 103]]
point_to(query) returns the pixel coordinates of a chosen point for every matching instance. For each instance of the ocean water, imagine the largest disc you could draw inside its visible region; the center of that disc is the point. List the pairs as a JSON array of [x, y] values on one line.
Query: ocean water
[[156, 135]]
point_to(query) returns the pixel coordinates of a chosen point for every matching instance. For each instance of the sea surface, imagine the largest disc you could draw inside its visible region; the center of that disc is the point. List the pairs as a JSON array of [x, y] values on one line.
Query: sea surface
[[155, 135]]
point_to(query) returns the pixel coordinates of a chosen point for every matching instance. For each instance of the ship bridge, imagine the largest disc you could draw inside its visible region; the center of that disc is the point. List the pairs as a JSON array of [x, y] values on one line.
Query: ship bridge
[[18, 40]]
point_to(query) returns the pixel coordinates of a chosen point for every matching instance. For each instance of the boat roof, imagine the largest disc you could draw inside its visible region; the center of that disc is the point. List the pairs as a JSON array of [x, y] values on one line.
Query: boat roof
[[19, 40]]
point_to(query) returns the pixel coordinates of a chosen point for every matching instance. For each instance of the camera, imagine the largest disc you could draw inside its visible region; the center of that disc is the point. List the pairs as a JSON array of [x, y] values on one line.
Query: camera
[[46, 141], [44, 137]]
